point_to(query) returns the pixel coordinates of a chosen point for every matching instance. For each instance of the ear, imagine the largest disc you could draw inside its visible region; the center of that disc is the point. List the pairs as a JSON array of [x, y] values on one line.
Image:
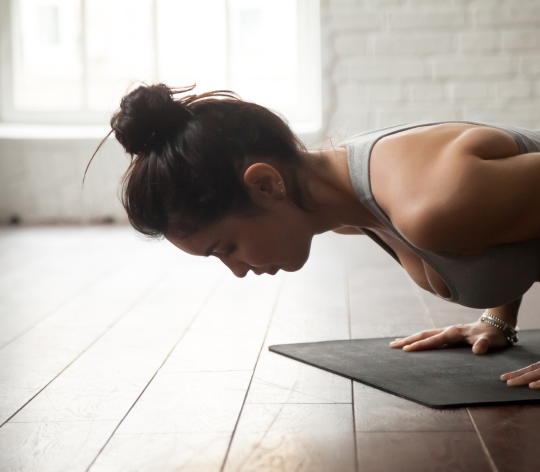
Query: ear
[[264, 185]]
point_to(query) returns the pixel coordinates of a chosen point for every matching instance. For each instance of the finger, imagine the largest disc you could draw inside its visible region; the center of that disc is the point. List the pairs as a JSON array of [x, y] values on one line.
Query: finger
[[400, 342], [450, 335], [433, 342], [535, 384], [524, 379], [517, 373], [481, 346]]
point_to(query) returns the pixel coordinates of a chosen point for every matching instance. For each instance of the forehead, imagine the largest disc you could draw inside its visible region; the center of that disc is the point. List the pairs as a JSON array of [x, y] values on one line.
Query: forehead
[[199, 243], [195, 244]]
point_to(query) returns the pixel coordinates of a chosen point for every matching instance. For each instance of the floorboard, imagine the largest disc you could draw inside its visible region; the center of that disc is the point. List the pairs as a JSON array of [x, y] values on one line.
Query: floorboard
[[511, 434], [507, 432], [401, 432], [310, 437], [120, 354], [421, 452], [297, 417], [38, 278], [50, 446], [202, 385], [377, 411], [102, 385], [34, 359]]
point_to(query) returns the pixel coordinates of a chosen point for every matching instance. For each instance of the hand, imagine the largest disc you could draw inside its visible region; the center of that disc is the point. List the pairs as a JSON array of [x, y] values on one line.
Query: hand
[[479, 334], [528, 375]]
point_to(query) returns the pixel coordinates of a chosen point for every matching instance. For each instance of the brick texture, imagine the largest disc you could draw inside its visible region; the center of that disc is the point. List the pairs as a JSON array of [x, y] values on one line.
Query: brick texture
[[385, 62], [41, 181], [397, 61]]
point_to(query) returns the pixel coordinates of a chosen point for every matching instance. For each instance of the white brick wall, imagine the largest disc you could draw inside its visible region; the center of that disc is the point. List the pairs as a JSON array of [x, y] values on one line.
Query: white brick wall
[[40, 181], [385, 62], [394, 61]]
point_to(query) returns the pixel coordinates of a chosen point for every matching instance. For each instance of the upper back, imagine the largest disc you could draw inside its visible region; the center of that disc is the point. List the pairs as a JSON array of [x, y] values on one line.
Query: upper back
[[495, 276], [416, 142]]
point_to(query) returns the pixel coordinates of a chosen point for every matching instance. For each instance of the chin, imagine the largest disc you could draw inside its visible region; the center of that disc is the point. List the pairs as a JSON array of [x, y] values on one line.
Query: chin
[[301, 256], [296, 265]]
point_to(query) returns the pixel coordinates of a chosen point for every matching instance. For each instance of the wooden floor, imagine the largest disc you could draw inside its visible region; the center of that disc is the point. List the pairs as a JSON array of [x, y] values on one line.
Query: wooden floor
[[123, 355]]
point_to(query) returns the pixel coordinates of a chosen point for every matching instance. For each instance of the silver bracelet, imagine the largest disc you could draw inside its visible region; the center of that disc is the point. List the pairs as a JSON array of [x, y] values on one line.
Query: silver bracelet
[[509, 332]]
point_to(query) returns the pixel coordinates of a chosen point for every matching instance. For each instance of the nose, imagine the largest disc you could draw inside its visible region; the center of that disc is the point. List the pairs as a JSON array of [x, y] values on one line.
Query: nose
[[238, 268]]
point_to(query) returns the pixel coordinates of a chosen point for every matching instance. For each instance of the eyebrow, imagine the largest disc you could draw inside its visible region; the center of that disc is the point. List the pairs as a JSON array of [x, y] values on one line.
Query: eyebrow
[[210, 250]]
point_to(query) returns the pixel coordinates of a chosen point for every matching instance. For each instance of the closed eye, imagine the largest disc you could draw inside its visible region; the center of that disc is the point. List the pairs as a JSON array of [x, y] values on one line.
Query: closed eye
[[230, 250]]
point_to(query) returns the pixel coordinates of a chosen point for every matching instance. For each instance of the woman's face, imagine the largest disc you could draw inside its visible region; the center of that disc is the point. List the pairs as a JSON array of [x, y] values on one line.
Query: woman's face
[[265, 243], [277, 237]]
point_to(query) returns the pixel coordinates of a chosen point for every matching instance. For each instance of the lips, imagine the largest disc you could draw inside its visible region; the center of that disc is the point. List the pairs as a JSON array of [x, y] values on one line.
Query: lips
[[273, 271]]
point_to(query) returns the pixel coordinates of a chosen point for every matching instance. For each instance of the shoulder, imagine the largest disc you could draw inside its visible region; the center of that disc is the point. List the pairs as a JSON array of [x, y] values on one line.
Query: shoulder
[[427, 179], [482, 140]]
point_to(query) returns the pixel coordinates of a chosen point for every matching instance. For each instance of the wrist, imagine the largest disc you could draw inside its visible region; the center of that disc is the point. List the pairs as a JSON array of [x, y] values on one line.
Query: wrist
[[509, 332], [504, 314]]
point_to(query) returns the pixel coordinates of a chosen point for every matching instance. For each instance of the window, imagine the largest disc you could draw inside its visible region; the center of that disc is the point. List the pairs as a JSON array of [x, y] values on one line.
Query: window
[[70, 61]]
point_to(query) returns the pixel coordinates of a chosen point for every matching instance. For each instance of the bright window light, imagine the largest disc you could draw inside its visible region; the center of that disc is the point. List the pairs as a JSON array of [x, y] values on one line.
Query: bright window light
[[72, 60], [48, 71]]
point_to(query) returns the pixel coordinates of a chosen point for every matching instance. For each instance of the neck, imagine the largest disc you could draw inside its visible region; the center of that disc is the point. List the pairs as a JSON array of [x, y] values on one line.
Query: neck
[[330, 186]]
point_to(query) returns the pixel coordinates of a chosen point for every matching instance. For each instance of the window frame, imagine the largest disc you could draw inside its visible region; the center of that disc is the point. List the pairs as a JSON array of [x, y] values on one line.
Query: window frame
[[9, 114]]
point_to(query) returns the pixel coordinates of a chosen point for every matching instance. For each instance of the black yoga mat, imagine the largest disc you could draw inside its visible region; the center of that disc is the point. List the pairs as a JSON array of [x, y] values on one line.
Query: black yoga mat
[[443, 378]]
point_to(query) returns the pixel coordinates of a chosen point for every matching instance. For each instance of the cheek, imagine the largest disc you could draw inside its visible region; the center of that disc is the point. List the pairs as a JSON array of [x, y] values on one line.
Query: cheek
[[264, 244], [263, 250], [292, 247]]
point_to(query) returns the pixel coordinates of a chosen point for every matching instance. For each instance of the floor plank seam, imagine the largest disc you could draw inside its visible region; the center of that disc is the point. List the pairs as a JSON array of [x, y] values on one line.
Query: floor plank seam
[[484, 447], [348, 305], [299, 403], [414, 431], [108, 328], [43, 421], [347, 293], [356, 463], [205, 371], [278, 296], [212, 293]]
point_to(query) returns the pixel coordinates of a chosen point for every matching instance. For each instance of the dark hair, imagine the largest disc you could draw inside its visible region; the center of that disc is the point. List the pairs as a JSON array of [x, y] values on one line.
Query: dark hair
[[186, 155]]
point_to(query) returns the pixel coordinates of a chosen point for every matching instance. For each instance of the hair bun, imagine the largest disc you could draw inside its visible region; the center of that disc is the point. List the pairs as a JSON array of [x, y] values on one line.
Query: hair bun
[[147, 116]]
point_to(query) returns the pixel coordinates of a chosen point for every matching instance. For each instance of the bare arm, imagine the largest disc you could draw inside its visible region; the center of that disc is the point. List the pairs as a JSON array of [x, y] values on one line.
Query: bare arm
[[508, 312], [479, 334], [529, 375], [464, 195]]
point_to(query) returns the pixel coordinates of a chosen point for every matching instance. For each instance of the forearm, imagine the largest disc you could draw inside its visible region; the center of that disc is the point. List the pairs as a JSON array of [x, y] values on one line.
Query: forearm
[[508, 312]]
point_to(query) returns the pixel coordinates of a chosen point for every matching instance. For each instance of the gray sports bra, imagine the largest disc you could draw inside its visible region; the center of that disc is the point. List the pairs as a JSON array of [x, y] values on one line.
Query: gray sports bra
[[493, 278]]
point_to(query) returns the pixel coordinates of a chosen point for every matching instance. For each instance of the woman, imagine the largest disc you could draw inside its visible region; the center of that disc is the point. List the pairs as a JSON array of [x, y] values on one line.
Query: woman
[[456, 204]]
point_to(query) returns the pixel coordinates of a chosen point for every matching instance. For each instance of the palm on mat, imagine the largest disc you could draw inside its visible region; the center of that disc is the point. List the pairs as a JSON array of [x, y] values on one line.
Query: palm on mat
[[482, 337]]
